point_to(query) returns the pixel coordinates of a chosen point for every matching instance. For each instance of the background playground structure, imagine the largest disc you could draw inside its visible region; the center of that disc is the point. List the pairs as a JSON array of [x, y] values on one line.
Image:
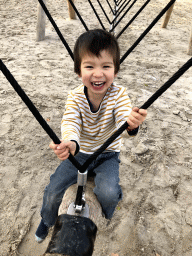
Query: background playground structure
[[154, 217], [41, 17]]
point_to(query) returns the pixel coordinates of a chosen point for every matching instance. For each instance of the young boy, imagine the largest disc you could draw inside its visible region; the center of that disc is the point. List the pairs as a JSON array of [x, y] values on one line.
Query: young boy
[[94, 111]]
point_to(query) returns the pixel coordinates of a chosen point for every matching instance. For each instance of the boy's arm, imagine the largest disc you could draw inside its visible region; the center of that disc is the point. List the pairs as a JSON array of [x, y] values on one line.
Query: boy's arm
[[122, 107], [70, 130], [71, 123]]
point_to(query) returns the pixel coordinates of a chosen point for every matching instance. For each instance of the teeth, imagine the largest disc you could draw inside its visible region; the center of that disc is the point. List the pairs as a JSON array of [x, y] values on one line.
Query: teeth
[[98, 84]]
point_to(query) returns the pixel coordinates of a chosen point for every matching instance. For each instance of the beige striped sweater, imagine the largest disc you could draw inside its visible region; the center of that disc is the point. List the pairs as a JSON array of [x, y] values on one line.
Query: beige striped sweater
[[89, 129]]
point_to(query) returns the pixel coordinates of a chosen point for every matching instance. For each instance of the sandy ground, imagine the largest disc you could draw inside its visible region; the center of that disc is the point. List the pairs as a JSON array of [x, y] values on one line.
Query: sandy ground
[[155, 216]]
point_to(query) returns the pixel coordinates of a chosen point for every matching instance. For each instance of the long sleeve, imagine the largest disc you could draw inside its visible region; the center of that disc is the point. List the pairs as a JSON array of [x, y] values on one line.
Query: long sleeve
[[71, 123], [122, 107]]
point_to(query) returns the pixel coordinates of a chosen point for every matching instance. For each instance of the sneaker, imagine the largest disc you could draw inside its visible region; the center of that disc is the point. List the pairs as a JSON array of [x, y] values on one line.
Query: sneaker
[[42, 232]]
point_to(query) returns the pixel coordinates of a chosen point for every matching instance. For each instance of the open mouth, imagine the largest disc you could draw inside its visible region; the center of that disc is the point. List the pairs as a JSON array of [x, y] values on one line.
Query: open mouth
[[98, 84]]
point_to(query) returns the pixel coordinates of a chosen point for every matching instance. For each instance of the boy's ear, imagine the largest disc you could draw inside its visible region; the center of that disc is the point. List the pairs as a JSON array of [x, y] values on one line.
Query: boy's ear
[[116, 75]]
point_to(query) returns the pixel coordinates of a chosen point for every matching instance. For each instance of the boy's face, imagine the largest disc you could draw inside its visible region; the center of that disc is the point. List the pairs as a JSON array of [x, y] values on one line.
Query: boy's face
[[97, 73]]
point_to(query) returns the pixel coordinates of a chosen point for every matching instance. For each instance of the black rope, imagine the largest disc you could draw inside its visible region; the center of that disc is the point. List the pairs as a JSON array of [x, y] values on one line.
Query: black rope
[[123, 7], [78, 14], [163, 88], [53, 136], [118, 2], [134, 17], [110, 7], [179, 73], [147, 30], [104, 11], [33, 109], [78, 200], [96, 14], [56, 28], [119, 8], [122, 16]]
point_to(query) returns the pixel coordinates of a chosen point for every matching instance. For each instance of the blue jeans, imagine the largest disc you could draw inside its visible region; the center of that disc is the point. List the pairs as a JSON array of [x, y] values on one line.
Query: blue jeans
[[107, 188]]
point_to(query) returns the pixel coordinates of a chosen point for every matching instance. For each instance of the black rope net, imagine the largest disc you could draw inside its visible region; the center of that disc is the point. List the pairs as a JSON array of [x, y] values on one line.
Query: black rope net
[[53, 136], [120, 6]]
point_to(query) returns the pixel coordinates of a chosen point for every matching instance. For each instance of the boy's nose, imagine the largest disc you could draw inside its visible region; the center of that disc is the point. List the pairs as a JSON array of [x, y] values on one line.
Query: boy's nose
[[98, 73]]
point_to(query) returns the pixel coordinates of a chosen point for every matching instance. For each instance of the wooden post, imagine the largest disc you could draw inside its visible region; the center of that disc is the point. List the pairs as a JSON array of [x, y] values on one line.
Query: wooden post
[[190, 44], [167, 16], [71, 11], [41, 19]]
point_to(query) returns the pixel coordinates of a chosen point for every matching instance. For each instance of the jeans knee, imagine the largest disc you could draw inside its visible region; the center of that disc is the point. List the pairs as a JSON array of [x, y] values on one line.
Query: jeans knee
[[109, 195], [51, 197]]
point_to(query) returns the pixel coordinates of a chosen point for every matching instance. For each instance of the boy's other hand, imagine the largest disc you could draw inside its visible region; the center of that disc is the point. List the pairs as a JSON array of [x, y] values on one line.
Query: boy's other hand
[[63, 149], [136, 118]]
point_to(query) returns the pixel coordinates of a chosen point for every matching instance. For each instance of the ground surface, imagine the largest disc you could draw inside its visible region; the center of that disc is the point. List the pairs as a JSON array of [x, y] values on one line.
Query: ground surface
[[155, 215]]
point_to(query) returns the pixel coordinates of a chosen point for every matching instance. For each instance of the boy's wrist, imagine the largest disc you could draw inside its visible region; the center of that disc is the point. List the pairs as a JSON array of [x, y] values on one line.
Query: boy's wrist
[[77, 147]]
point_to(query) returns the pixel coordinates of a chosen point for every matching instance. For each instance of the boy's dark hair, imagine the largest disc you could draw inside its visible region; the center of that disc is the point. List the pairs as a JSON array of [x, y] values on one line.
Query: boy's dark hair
[[93, 42]]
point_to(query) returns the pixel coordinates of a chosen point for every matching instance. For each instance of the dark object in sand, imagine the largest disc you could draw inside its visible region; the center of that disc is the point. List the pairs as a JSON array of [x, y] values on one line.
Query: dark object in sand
[[73, 236]]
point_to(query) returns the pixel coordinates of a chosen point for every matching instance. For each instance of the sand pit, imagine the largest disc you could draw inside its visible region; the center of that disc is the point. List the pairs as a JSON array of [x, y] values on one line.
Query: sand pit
[[155, 216]]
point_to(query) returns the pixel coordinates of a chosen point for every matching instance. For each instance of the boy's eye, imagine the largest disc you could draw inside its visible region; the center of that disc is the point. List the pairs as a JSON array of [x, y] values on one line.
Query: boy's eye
[[89, 67], [106, 66]]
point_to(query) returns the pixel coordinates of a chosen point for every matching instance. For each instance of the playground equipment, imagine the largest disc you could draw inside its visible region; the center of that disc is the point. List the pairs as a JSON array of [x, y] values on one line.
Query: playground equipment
[[69, 221], [190, 44], [119, 34], [80, 205], [119, 7], [41, 19], [93, 221], [167, 16]]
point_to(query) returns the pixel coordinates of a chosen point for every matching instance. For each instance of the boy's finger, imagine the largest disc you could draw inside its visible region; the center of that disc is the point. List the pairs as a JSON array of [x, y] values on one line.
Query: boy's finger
[[52, 145], [62, 145], [135, 109], [63, 155], [134, 115], [143, 112]]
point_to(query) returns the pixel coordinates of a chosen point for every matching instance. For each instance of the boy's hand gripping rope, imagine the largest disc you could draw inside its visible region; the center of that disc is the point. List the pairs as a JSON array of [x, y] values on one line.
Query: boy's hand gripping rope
[[53, 136]]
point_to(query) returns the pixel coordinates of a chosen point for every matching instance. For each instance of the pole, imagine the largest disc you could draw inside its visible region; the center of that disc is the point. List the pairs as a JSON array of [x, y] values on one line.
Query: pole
[[167, 17], [189, 52], [41, 19], [71, 11]]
